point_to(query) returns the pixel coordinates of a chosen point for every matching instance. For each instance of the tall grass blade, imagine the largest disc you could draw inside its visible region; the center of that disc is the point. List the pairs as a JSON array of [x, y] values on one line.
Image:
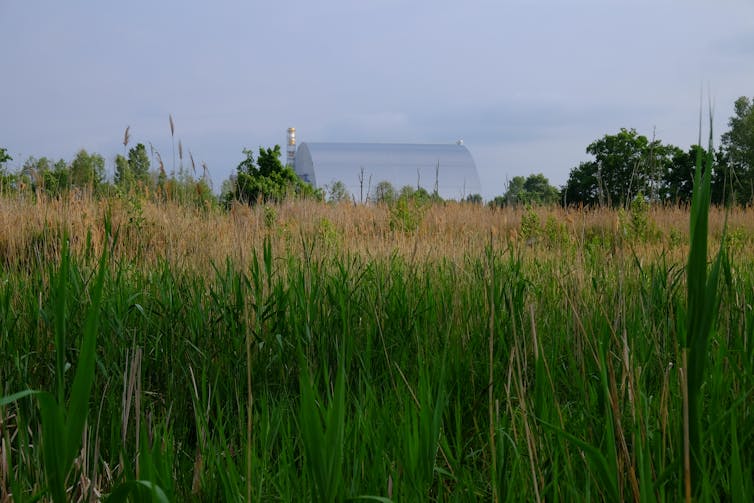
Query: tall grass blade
[[54, 451], [702, 301], [597, 462], [78, 407], [137, 488], [323, 444]]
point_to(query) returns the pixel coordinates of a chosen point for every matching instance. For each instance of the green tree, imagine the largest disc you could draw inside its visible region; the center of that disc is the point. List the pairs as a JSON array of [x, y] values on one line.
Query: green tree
[[138, 162], [514, 192], [4, 157], [384, 192], [497, 202], [620, 174], [624, 164], [266, 179], [582, 186], [123, 176], [134, 170], [58, 180], [6, 180], [534, 189], [337, 192], [722, 181], [678, 176], [87, 170], [474, 199], [44, 176], [738, 147], [539, 190], [33, 172]]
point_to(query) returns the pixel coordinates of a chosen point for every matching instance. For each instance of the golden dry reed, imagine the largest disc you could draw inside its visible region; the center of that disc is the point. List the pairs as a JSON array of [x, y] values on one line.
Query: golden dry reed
[[195, 238]]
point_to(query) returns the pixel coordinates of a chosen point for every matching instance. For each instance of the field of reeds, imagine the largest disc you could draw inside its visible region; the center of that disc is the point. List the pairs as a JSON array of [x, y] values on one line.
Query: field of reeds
[[305, 351]]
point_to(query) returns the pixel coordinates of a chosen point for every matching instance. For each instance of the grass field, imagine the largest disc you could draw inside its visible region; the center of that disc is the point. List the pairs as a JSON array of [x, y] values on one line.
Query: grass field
[[312, 352]]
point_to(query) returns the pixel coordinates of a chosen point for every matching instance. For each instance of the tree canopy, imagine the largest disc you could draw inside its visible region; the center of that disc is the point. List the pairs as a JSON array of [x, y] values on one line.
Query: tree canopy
[[134, 170], [4, 157], [87, 170], [625, 164], [266, 179], [534, 189], [737, 153]]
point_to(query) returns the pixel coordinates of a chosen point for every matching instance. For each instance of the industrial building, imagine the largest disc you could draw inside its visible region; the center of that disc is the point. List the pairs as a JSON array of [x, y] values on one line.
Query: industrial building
[[447, 168]]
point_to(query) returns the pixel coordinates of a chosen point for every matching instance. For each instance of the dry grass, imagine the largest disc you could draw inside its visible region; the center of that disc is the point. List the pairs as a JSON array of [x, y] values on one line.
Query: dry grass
[[196, 238]]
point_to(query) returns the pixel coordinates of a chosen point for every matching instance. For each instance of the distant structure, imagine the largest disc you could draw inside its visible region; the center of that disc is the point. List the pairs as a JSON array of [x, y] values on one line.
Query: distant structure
[[447, 168], [291, 147]]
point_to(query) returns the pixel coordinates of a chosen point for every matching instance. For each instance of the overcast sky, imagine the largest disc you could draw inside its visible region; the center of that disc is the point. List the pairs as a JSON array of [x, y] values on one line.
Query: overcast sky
[[527, 84]]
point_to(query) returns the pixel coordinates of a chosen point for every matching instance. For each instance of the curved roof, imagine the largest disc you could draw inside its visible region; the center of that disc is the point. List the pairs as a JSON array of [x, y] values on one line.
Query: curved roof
[[451, 166]]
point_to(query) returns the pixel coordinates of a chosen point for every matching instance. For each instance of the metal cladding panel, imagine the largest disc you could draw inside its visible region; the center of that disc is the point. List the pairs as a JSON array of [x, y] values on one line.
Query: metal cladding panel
[[451, 167]]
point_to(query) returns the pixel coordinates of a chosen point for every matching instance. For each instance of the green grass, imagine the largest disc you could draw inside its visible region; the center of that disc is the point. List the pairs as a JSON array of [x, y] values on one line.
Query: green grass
[[503, 376]]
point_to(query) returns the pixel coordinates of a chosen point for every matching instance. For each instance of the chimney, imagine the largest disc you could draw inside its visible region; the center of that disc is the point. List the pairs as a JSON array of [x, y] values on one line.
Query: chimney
[[291, 148]]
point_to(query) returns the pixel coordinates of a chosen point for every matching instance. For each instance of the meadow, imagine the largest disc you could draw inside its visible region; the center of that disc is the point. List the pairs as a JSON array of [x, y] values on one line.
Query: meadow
[[306, 351]]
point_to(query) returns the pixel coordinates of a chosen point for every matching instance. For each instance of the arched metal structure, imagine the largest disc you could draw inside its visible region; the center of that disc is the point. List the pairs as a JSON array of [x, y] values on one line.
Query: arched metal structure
[[449, 169]]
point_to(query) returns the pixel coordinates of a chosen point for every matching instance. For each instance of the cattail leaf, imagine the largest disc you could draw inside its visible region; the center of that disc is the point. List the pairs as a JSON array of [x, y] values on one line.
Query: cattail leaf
[[56, 462], [131, 487], [597, 462], [78, 407], [16, 396]]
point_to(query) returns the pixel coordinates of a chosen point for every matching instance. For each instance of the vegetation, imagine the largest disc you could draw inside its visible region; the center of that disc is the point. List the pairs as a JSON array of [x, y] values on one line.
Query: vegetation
[[534, 189], [316, 352], [627, 163], [266, 179], [337, 192], [134, 171], [737, 153], [384, 192], [133, 177], [410, 350]]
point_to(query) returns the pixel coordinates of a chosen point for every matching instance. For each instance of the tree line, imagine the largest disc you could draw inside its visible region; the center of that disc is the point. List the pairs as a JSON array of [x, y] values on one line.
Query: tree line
[[627, 165], [624, 166]]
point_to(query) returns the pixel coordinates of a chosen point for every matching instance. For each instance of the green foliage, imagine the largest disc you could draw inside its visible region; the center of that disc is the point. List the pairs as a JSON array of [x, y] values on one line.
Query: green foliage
[[738, 150], [331, 237], [124, 177], [368, 379], [637, 224], [138, 162], [4, 157], [498, 202], [422, 427], [6, 180], [678, 179], [87, 170], [62, 426], [555, 233], [323, 438], [134, 171], [266, 179], [530, 224], [406, 215], [270, 217], [625, 164], [337, 192], [384, 192], [582, 188], [474, 199], [408, 211], [534, 189], [702, 307], [406, 192]]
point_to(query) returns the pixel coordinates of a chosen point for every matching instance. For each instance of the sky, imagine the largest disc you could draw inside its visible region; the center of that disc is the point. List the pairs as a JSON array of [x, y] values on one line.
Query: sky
[[526, 84]]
